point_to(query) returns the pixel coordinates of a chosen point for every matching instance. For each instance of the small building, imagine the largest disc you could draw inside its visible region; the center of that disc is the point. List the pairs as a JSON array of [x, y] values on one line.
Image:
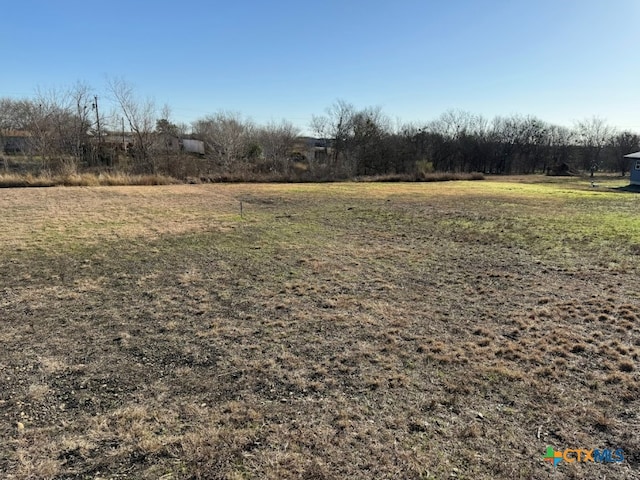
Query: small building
[[168, 143], [192, 146], [634, 168], [13, 142], [316, 149]]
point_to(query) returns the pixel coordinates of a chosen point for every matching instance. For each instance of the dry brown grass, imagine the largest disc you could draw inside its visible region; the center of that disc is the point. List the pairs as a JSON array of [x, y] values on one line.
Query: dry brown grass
[[13, 180], [333, 331]]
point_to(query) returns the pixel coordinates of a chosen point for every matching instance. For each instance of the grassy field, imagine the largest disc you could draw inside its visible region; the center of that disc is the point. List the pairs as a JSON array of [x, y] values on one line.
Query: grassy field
[[416, 331]]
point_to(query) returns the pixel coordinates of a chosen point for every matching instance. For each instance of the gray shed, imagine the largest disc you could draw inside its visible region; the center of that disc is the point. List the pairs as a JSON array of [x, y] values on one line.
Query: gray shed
[[634, 168], [193, 146]]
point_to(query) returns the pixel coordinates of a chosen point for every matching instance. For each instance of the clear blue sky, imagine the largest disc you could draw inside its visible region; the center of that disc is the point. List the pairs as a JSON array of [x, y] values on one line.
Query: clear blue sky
[[561, 60]]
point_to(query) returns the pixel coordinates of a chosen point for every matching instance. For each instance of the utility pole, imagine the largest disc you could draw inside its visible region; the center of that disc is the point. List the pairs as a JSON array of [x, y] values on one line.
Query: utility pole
[[95, 98], [95, 106]]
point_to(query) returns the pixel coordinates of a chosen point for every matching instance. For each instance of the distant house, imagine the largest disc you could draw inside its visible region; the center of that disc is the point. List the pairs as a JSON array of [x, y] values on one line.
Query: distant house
[[634, 168], [192, 146], [170, 143], [317, 149], [118, 141], [162, 142], [15, 141]]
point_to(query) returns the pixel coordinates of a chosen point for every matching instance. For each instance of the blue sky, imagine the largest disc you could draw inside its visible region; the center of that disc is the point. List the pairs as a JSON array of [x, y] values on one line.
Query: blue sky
[[561, 60]]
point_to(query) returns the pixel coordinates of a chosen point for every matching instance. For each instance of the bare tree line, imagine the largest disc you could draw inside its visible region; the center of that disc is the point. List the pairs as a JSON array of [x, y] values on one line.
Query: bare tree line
[[70, 131]]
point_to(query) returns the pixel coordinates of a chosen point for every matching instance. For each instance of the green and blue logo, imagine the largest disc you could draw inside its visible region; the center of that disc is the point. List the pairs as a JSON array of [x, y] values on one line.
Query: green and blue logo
[[571, 455]]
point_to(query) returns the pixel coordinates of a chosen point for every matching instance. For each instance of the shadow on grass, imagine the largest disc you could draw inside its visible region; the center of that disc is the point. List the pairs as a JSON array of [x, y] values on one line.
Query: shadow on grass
[[627, 189]]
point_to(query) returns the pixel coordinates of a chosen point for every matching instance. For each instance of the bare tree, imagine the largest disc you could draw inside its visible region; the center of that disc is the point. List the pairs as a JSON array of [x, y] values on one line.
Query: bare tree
[[367, 144], [559, 143], [522, 142], [15, 118], [277, 141], [457, 137], [621, 144], [321, 128], [141, 118], [53, 129], [593, 135], [15, 114], [336, 126], [80, 98], [227, 134], [168, 136], [56, 122], [454, 123], [319, 125]]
